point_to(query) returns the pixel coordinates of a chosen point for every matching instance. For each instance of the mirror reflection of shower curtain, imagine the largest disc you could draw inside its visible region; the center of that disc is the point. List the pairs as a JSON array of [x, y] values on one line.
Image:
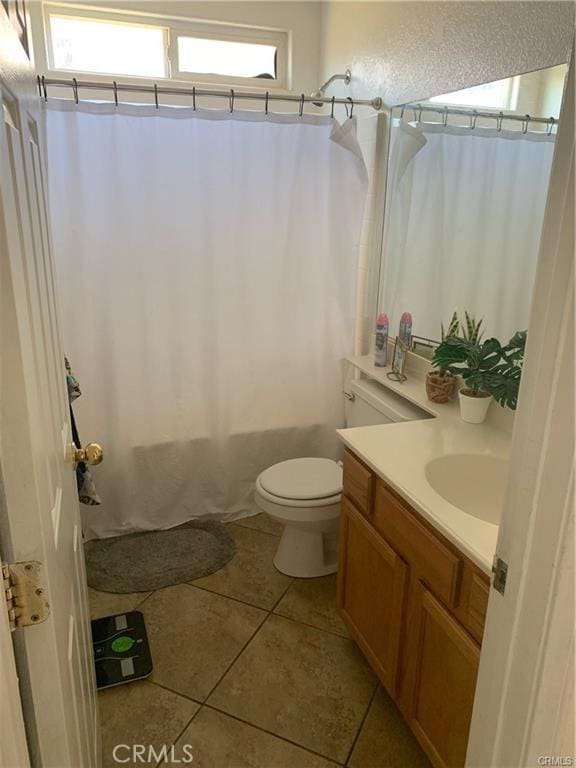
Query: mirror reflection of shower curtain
[[463, 223], [206, 266]]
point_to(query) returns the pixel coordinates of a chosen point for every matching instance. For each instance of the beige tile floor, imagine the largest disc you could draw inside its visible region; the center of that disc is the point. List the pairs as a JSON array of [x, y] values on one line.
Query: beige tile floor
[[253, 669]]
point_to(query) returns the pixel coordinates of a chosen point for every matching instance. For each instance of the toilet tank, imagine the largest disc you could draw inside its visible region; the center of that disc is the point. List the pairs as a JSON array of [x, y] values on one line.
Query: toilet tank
[[368, 402]]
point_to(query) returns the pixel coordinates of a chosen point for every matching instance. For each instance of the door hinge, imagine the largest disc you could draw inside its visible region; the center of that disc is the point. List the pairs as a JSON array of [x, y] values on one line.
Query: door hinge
[[26, 596], [499, 574]]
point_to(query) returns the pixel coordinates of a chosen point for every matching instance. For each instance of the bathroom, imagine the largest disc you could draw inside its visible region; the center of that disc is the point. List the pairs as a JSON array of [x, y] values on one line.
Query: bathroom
[[301, 439]]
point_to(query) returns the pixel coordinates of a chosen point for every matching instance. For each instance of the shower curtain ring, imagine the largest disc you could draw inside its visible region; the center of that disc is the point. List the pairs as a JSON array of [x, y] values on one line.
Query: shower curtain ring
[[194, 98], [499, 121], [473, 119], [44, 91], [351, 102], [445, 117], [525, 123], [231, 98], [332, 106], [266, 102], [115, 86], [156, 95], [550, 126], [301, 110], [75, 89]]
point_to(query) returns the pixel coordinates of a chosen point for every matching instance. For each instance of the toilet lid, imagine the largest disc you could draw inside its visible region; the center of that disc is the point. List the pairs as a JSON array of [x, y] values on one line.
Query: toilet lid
[[303, 479]]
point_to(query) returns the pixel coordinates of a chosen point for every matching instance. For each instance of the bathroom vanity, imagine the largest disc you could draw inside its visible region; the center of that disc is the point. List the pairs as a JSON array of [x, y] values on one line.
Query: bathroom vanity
[[413, 578], [416, 607]]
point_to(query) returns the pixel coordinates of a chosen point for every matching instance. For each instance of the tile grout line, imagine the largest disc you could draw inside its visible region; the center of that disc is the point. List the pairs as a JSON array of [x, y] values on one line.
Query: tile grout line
[[141, 602], [361, 724], [228, 597], [235, 659], [176, 693], [251, 528], [292, 580], [313, 626], [174, 741], [271, 733]]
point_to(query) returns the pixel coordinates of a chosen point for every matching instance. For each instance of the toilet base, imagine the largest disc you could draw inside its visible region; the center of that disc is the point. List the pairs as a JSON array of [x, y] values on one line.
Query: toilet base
[[308, 547], [307, 554]]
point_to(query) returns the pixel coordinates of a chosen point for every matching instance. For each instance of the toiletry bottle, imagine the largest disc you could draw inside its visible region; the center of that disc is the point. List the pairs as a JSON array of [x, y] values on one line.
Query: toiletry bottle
[[405, 330], [381, 345]]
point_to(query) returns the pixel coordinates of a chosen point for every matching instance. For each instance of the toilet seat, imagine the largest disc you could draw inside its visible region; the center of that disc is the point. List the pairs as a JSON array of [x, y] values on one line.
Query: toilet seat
[[308, 482]]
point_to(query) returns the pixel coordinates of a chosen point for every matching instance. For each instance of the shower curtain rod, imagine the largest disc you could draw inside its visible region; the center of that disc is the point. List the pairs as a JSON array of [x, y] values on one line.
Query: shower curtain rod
[[230, 94], [474, 114]]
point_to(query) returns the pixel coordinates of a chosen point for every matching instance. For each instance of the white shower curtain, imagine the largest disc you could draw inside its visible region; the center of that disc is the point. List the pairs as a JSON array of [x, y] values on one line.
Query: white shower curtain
[[206, 267], [463, 223]]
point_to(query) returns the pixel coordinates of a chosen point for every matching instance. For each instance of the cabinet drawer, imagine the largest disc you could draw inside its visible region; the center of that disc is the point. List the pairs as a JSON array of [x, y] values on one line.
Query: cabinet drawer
[[358, 483], [436, 565]]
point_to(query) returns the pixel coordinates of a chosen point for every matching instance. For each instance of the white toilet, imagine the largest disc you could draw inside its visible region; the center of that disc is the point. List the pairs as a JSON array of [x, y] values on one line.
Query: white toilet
[[304, 494]]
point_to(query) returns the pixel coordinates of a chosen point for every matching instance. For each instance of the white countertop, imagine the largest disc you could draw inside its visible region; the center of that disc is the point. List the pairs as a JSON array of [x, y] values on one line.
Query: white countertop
[[399, 452]]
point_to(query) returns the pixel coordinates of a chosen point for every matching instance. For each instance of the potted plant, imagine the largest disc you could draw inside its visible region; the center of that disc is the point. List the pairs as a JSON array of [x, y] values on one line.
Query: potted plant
[[487, 369], [440, 383]]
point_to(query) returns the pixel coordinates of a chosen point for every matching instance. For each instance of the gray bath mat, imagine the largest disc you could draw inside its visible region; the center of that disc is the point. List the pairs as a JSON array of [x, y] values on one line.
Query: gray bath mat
[[142, 562]]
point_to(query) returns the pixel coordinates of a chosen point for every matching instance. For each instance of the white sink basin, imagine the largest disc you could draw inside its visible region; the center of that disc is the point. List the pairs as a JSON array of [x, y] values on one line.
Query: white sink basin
[[472, 482]]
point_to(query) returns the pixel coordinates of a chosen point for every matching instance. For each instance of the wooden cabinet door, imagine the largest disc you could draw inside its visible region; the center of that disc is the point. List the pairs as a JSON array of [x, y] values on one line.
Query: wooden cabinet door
[[371, 591], [445, 667]]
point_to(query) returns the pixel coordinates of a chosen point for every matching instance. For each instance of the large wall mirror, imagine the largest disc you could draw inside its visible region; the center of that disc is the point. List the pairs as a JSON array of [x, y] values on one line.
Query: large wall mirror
[[468, 176]]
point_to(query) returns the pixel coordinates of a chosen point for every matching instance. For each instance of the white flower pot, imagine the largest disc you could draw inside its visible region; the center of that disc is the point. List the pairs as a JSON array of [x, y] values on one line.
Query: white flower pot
[[474, 409]]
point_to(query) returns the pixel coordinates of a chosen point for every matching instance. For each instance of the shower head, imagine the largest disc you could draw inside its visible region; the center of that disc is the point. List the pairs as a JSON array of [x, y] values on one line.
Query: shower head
[[319, 94]]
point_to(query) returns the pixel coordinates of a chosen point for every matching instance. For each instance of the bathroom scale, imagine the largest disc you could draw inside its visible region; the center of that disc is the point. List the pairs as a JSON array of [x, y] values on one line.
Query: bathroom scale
[[121, 650]]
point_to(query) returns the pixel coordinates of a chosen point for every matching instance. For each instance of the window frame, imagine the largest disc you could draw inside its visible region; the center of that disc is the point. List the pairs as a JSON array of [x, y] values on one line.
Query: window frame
[[173, 28]]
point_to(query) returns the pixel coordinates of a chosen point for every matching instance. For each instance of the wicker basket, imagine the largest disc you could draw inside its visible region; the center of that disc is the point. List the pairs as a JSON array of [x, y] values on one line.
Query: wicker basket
[[440, 388]]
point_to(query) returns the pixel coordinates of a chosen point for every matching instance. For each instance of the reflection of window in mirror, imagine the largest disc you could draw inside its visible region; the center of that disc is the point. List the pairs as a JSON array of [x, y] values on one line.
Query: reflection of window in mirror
[[501, 94], [534, 93], [467, 183]]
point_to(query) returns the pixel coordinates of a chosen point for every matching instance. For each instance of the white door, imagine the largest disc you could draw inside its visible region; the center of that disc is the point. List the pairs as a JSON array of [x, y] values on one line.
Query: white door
[[39, 515]]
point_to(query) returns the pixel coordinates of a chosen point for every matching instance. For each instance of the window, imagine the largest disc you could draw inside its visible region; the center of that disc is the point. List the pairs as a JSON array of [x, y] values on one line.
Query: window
[[500, 94], [107, 47], [223, 57], [116, 43]]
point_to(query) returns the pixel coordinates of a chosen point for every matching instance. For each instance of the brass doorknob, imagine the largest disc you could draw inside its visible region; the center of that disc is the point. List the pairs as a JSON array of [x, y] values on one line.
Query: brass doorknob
[[91, 454]]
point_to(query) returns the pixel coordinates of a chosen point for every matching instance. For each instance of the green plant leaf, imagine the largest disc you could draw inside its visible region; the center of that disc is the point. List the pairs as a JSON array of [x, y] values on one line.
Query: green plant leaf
[[453, 326]]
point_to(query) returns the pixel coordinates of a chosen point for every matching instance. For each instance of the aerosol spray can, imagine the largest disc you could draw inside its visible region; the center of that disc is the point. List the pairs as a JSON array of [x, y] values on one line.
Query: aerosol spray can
[[405, 330], [381, 345]]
